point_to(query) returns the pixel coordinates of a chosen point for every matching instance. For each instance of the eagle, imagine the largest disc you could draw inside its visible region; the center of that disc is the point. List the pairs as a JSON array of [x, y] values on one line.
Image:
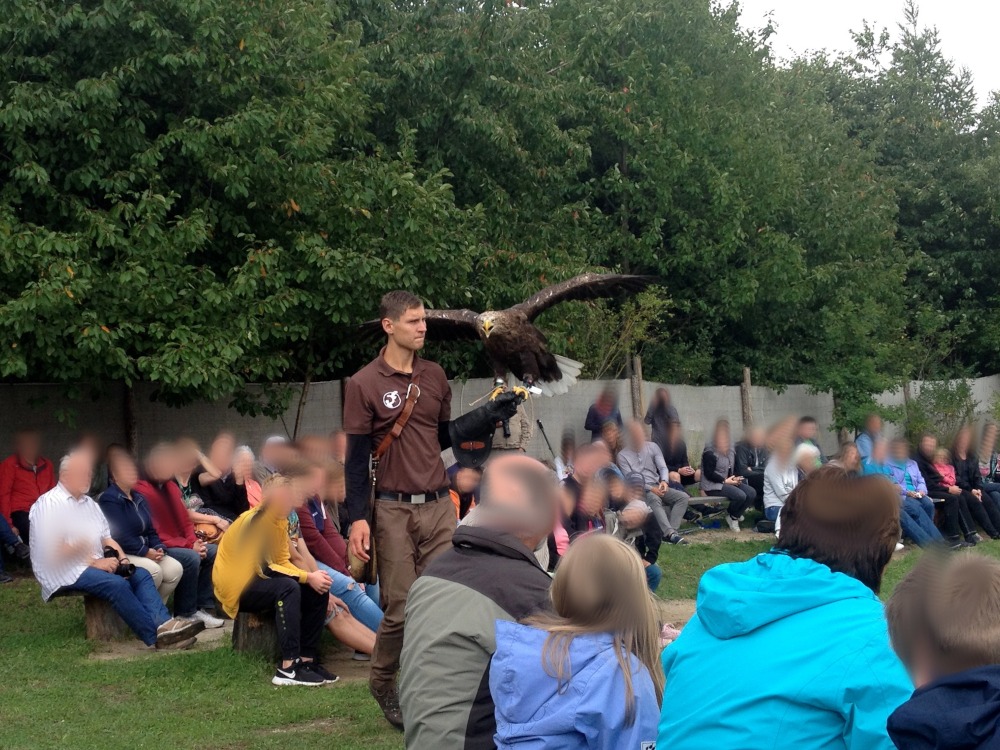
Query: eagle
[[514, 344]]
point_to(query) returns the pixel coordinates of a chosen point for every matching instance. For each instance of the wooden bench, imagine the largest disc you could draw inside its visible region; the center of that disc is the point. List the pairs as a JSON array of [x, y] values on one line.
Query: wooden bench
[[256, 634], [103, 623]]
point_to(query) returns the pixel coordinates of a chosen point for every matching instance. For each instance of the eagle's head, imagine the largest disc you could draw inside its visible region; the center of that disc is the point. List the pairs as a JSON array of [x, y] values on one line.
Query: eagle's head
[[487, 322]]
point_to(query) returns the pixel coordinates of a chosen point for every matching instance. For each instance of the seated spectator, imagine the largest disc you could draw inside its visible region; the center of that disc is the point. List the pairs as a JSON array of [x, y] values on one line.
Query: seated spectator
[[917, 516], [806, 457], [253, 573], [984, 508], [676, 457], [604, 410], [659, 415], [808, 432], [567, 453], [805, 690], [780, 477], [131, 523], [225, 485], [69, 554], [989, 461], [13, 546], [586, 675], [193, 597], [464, 488], [24, 477], [490, 575], [191, 466], [339, 620], [329, 549], [588, 516], [849, 459], [954, 512], [868, 436], [638, 528], [611, 436], [718, 478], [942, 622], [273, 453], [314, 449], [751, 456], [644, 457], [159, 486]]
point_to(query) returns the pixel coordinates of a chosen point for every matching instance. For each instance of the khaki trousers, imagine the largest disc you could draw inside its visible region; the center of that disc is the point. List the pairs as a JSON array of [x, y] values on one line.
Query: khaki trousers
[[166, 573], [407, 538]]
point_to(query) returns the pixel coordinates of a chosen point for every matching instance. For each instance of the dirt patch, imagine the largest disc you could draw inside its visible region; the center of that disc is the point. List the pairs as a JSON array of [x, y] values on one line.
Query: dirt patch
[[677, 611], [132, 648]]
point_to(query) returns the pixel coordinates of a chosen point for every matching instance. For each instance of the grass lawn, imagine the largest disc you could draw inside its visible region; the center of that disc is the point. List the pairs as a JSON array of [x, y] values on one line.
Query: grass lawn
[[53, 695]]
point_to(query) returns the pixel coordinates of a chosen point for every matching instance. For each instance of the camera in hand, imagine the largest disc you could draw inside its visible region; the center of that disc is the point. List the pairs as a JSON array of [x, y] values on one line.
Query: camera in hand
[[125, 570]]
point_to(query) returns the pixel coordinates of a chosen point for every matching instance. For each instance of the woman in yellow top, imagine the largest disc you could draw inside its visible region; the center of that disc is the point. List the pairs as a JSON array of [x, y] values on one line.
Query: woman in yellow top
[[253, 573]]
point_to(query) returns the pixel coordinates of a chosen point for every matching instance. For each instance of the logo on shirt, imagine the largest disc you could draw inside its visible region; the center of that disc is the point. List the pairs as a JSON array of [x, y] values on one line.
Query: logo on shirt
[[391, 399], [647, 746]]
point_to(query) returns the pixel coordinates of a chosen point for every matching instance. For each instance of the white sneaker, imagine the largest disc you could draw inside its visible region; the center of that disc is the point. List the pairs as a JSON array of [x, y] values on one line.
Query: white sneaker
[[734, 523], [209, 620]]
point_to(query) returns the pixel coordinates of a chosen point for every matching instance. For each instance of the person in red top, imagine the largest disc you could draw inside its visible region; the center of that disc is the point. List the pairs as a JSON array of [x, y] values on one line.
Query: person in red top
[[194, 597], [24, 477]]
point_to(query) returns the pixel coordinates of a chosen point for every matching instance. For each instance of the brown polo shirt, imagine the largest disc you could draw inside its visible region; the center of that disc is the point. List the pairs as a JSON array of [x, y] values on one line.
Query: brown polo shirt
[[373, 401]]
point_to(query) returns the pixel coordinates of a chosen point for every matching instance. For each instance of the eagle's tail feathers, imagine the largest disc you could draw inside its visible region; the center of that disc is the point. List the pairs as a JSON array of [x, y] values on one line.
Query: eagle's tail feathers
[[570, 370]]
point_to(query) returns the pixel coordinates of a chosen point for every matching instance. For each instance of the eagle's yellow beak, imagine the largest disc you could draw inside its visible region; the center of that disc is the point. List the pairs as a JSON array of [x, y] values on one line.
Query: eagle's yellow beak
[[487, 327]]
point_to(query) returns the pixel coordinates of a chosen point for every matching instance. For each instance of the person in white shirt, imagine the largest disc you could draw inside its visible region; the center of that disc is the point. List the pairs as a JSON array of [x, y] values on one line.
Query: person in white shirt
[[68, 542]]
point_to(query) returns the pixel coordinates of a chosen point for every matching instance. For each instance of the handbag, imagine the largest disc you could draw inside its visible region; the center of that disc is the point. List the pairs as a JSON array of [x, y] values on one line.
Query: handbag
[[367, 571]]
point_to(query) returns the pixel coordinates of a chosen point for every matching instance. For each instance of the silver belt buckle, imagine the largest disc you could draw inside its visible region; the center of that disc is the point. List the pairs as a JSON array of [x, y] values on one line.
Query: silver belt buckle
[[418, 499]]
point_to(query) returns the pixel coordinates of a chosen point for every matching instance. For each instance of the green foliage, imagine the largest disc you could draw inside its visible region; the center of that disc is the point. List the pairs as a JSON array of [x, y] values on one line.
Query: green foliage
[[941, 408]]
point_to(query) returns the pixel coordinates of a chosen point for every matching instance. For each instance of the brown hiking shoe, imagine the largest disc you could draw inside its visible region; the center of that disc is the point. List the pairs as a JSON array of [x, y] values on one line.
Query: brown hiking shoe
[[176, 645], [388, 701], [175, 629]]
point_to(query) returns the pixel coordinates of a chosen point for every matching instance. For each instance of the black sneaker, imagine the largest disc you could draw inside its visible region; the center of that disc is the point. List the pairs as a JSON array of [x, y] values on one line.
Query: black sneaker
[[6, 577], [676, 538], [973, 538], [21, 551], [297, 674], [314, 666]]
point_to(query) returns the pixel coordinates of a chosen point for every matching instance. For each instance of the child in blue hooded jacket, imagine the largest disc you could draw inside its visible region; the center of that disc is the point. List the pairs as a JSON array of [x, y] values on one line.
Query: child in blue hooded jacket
[[588, 676], [790, 649]]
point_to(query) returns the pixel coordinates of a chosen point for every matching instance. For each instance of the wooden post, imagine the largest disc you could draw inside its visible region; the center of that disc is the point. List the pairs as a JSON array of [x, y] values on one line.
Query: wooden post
[[745, 399], [256, 635], [635, 382], [103, 623]]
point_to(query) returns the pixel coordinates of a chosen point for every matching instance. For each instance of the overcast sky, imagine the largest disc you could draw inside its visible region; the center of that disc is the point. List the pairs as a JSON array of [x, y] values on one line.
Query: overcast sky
[[968, 28]]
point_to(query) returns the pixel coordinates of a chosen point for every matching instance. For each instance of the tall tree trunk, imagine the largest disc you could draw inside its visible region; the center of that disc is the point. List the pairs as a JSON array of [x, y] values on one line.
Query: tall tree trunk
[[635, 381], [128, 418], [302, 402], [745, 400]]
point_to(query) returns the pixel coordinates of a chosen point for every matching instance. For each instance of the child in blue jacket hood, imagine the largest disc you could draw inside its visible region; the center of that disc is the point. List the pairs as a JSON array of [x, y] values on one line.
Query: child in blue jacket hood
[[586, 677], [789, 649], [943, 624]]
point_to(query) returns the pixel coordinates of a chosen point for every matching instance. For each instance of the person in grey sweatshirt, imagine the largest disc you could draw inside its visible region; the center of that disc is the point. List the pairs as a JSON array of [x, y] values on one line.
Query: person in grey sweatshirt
[[718, 477], [642, 456]]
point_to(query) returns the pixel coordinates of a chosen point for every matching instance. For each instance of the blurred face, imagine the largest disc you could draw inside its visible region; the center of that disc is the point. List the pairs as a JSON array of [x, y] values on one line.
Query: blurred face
[[807, 463], [603, 456], [409, 330], [722, 439], [243, 464], [75, 475], [302, 490], [808, 430], [336, 489], [900, 451], [962, 441], [756, 437], [466, 481], [874, 424], [221, 451], [28, 446], [338, 445], [186, 457], [592, 500], [123, 469], [851, 457], [928, 444], [880, 451], [317, 481], [636, 435], [161, 464], [283, 500], [616, 488], [990, 437], [315, 448], [610, 433], [941, 457]]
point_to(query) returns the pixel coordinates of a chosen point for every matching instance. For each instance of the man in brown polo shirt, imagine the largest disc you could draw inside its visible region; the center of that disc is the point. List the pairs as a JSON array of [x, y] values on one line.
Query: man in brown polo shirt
[[415, 517]]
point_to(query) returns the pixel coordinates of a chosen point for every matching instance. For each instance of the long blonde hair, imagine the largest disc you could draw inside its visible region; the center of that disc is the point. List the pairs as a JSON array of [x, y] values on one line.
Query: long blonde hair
[[600, 587]]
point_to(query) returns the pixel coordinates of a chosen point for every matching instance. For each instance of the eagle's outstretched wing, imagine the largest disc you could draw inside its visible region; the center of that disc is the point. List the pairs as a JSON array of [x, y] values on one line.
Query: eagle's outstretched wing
[[448, 325], [585, 286]]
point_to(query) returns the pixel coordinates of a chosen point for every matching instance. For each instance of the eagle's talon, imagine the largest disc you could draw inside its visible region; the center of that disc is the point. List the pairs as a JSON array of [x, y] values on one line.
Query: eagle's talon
[[496, 392]]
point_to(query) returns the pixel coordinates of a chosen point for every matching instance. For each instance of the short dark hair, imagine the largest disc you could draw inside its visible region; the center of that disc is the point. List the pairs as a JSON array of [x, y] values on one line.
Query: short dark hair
[[849, 525], [395, 303], [808, 420]]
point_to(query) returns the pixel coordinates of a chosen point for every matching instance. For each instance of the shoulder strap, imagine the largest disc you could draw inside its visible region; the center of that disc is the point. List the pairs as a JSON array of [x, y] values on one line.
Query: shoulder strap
[[412, 394]]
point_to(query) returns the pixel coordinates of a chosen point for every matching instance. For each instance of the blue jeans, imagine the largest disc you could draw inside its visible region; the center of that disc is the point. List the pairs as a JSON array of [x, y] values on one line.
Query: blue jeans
[[7, 538], [134, 598], [363, 609], [927, 505], [194, 591], [772, 512], [916, 524], [653, 576]]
